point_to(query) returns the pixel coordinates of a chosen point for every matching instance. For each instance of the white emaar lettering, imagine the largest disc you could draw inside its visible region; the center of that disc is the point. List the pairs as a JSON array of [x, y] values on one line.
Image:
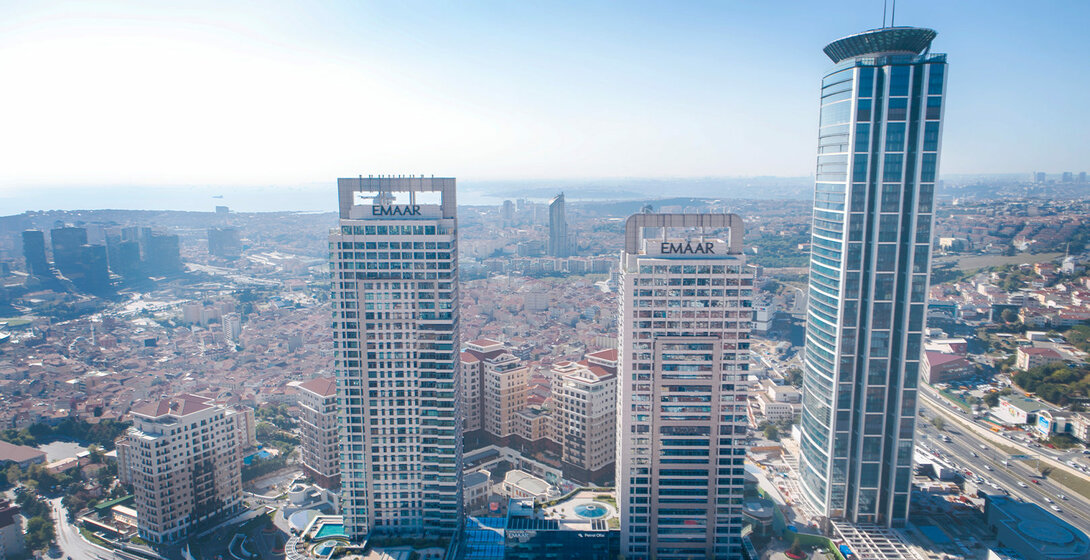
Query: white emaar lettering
[[689, 248], [407, 210]]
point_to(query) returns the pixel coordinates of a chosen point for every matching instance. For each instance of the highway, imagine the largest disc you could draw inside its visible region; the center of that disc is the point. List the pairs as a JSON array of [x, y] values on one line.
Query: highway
[[965, 452]]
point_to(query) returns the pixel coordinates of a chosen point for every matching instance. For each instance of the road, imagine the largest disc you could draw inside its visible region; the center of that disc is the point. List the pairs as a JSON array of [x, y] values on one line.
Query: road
[[69, 540], [966, 453]]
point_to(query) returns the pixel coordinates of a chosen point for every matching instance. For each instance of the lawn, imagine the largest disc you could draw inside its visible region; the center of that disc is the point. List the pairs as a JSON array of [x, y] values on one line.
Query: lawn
[[974, 262], [1075, 482]]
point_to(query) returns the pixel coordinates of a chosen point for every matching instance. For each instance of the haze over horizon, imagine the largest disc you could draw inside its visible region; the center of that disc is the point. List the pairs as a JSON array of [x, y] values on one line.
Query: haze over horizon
[[134, 95]]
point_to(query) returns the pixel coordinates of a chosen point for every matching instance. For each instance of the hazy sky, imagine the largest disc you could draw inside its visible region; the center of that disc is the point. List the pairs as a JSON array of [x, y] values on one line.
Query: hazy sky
[[174, 93]]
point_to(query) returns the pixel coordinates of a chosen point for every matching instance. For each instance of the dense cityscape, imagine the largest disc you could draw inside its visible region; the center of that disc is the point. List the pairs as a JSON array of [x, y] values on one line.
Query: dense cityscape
[[895, 367]]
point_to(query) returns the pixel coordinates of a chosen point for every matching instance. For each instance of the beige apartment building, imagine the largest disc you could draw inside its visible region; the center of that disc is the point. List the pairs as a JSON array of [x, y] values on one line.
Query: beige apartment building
[[494, 386], [320, 455], [503, 393], [182, 457], [585, 394], [471, 370]]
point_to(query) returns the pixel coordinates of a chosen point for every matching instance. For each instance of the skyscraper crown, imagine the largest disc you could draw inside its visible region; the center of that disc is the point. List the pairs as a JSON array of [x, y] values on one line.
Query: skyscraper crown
[[887, 40]]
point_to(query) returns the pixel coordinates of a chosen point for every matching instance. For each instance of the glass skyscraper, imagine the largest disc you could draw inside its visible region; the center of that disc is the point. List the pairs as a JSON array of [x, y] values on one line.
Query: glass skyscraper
[[395, 345], [878, 157]]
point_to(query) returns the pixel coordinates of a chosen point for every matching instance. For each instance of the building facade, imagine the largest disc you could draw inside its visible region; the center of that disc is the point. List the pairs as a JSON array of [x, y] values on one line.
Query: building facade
[[686, 315], [182, 457], [558, 228], [394, 266], [34, 254], [503, 393], [320, 455], [878, 157], [471, 368], [585, 395]]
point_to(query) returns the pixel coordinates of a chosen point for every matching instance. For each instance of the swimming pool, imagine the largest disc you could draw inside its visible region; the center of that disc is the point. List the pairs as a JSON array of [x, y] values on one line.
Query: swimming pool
[[330, 530], [262, 454]]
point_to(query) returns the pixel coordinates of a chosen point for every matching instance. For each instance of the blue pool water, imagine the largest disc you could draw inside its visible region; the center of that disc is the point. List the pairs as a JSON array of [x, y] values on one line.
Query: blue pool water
[[591, 511], [262, 454], [330, 530], [326, 547]]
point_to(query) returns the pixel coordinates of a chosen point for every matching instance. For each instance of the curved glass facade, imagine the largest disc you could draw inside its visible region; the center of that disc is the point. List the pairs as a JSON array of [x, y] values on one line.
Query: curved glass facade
[[878, 146]]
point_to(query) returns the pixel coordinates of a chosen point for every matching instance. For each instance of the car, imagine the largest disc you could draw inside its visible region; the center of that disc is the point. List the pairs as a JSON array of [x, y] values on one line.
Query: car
[[989, 467], [1062, 497], [1047, 499], [1022, 484], [1055, 507], [1035, 481]]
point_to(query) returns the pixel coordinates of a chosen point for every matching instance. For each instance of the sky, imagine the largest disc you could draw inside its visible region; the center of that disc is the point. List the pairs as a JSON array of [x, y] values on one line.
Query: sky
[[98, 93]]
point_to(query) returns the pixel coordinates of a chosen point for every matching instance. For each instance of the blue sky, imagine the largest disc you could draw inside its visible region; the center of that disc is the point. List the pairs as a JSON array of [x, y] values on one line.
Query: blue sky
[[158, 93]]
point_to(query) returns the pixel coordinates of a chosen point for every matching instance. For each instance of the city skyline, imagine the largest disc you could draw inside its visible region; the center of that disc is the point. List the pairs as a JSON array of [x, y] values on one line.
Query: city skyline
[[658, 95]]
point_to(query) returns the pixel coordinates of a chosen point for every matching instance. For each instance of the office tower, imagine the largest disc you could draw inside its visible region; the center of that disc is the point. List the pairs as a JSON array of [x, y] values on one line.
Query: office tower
[[139, 234], [878, 157], [67, 248], [34, 253], [558, 228], [508, 211], [1082, 177], [1068, 177], [395, 295], [163, 256], [585, 394], [1039, 177], [320, 456], [94, 275], [182, 457], [224, 243], [681, 416]]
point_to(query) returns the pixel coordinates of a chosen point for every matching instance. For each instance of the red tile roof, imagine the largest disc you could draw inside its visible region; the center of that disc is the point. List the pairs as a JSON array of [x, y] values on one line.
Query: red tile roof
[[180, 405], [1040, 352], [324, 386]]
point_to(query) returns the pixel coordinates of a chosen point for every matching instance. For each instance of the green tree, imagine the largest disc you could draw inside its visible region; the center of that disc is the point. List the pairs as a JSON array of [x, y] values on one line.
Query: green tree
[[771, 432], [39, 533], [1009, 316], [939, 423]]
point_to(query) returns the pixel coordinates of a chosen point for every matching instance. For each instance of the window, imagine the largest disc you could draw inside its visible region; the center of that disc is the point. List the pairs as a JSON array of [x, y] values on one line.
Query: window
[[898, 80], [895, 137], [897, 109], [934, 108], [893, 167]]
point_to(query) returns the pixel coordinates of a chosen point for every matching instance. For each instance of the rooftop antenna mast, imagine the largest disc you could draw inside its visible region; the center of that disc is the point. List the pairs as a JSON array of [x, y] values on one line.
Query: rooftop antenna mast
[[885, 4], [893, 14]]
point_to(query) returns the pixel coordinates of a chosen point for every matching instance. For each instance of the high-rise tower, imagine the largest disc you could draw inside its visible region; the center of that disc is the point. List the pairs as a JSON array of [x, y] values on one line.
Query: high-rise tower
[[686, 306], [34, 253], [558, 228], [878, 157], [394, 269]]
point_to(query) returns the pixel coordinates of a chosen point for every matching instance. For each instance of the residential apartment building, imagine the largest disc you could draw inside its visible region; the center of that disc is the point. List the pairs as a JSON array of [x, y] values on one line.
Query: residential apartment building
[[880, 129], [1029, 358], [503, 393], [585, 397], [182, 457], [394, 266], [686, 316], [471, 370], [320, 452]]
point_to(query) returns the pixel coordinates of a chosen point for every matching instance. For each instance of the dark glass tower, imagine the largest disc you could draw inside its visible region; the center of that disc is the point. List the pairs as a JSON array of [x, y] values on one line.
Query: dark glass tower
[[878, 156]]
